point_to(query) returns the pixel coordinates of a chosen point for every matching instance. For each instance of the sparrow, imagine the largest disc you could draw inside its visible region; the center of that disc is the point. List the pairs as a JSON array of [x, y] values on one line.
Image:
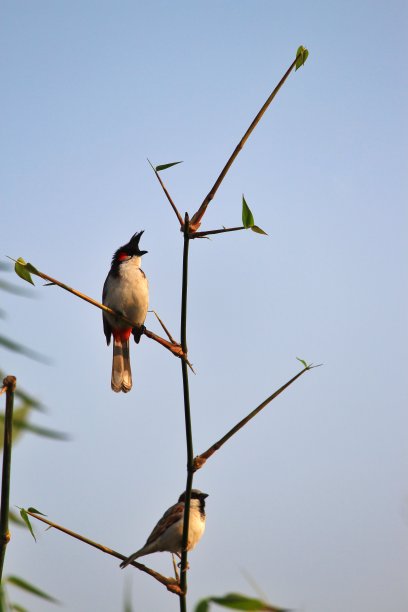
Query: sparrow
[[126, 290], [168, 534]]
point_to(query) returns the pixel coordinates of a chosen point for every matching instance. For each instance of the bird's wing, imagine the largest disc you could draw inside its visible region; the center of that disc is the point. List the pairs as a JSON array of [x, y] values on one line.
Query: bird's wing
[[106, 327], [171, 516]]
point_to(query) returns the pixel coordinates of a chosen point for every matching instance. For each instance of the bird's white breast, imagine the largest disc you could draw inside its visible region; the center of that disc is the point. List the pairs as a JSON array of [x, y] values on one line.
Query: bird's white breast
[[128, 292]]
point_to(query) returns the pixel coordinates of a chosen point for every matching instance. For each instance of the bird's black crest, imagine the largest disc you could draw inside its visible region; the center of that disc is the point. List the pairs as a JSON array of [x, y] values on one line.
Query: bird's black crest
[[130, 249]]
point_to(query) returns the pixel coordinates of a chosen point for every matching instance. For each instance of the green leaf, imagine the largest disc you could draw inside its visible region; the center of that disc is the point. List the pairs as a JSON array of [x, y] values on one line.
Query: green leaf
[[14, 518], [258, 230], [18, 608], [19, 348], [302, 361], [15, 289], [22, 271], [247, 216], [165, 166], [202, 606], [39, 431], [25, 518], [301, 56], [35, 511], [236, 601], [29, 588]]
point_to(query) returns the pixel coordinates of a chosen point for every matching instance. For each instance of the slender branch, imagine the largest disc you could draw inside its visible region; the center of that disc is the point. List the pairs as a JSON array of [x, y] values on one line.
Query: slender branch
[[201, 459], [173, 347], [219, 231], [174, 207], [197, 217], [166, 331], [187, 417], [9, 383], [170, 583]]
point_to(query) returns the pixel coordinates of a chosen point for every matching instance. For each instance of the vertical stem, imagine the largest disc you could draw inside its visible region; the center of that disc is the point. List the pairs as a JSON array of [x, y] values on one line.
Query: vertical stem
[[10, 384], [187, 416]]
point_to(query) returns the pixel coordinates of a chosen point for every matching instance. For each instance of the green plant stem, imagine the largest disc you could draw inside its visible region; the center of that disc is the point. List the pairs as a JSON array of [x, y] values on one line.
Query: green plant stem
[[9, 383], [187, 417]]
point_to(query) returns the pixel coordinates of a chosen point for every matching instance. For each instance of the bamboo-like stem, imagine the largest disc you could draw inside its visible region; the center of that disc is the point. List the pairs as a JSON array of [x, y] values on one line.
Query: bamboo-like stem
[[172, 204], [187, 417], [218, 231], [173, 347], [9, 383], [197, 217], [170, 583], [201, 459]]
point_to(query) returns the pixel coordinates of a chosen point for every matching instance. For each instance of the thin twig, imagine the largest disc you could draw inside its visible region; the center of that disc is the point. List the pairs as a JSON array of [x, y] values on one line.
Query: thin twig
[[187, 418], [173, 343], [166, 331], [10, 384], [170, 583], [174, 207], [201, 459], [219, 231], [197, 217]]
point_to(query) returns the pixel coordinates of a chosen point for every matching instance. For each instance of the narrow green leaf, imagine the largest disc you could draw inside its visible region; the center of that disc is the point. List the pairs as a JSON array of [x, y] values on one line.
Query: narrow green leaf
[[165, 166], [18, 608], [20, 268], [236, 601], [14, 518], [258, 230], [39, 431], [202, 606], [15, 289], [19, 348], [25, 518], [247, 216], [302, 361], [31, 268], [30, 588], [35, 511], [301, 56]]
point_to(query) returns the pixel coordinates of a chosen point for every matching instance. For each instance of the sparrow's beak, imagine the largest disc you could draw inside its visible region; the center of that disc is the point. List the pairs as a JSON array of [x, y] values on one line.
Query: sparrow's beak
[[204, 495]]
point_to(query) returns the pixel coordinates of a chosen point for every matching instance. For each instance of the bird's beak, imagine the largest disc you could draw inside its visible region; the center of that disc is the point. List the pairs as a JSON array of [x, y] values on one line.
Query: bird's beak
[[204, 495]]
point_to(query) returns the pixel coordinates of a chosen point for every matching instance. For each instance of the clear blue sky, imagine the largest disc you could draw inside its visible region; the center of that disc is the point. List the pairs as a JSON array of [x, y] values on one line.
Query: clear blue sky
[[311, 499]]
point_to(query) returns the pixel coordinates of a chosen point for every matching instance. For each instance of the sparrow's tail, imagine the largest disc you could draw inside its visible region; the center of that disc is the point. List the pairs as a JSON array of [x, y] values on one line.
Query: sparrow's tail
[[121, 372], [129, 560]]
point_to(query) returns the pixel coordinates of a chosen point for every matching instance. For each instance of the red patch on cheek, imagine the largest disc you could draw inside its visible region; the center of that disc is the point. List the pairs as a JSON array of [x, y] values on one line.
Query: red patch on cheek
[[122, 334], [122, 255]]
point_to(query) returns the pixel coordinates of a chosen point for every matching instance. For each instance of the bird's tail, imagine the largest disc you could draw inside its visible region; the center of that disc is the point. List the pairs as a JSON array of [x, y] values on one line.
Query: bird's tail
[[121, 372], [129, 560]]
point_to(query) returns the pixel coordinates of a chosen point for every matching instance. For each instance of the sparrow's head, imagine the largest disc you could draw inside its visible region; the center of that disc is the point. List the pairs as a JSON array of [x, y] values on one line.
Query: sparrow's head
[[130, 249], [195, 494]]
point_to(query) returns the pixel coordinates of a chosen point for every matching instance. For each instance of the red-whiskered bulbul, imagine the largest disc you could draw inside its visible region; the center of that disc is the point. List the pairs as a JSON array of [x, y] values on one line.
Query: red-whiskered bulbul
[[126, 291]]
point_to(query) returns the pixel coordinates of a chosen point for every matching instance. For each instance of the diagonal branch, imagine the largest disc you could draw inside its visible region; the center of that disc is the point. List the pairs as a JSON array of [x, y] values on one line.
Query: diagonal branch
[[197, 217], [172, 204], [201, 459], [170, 583]]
